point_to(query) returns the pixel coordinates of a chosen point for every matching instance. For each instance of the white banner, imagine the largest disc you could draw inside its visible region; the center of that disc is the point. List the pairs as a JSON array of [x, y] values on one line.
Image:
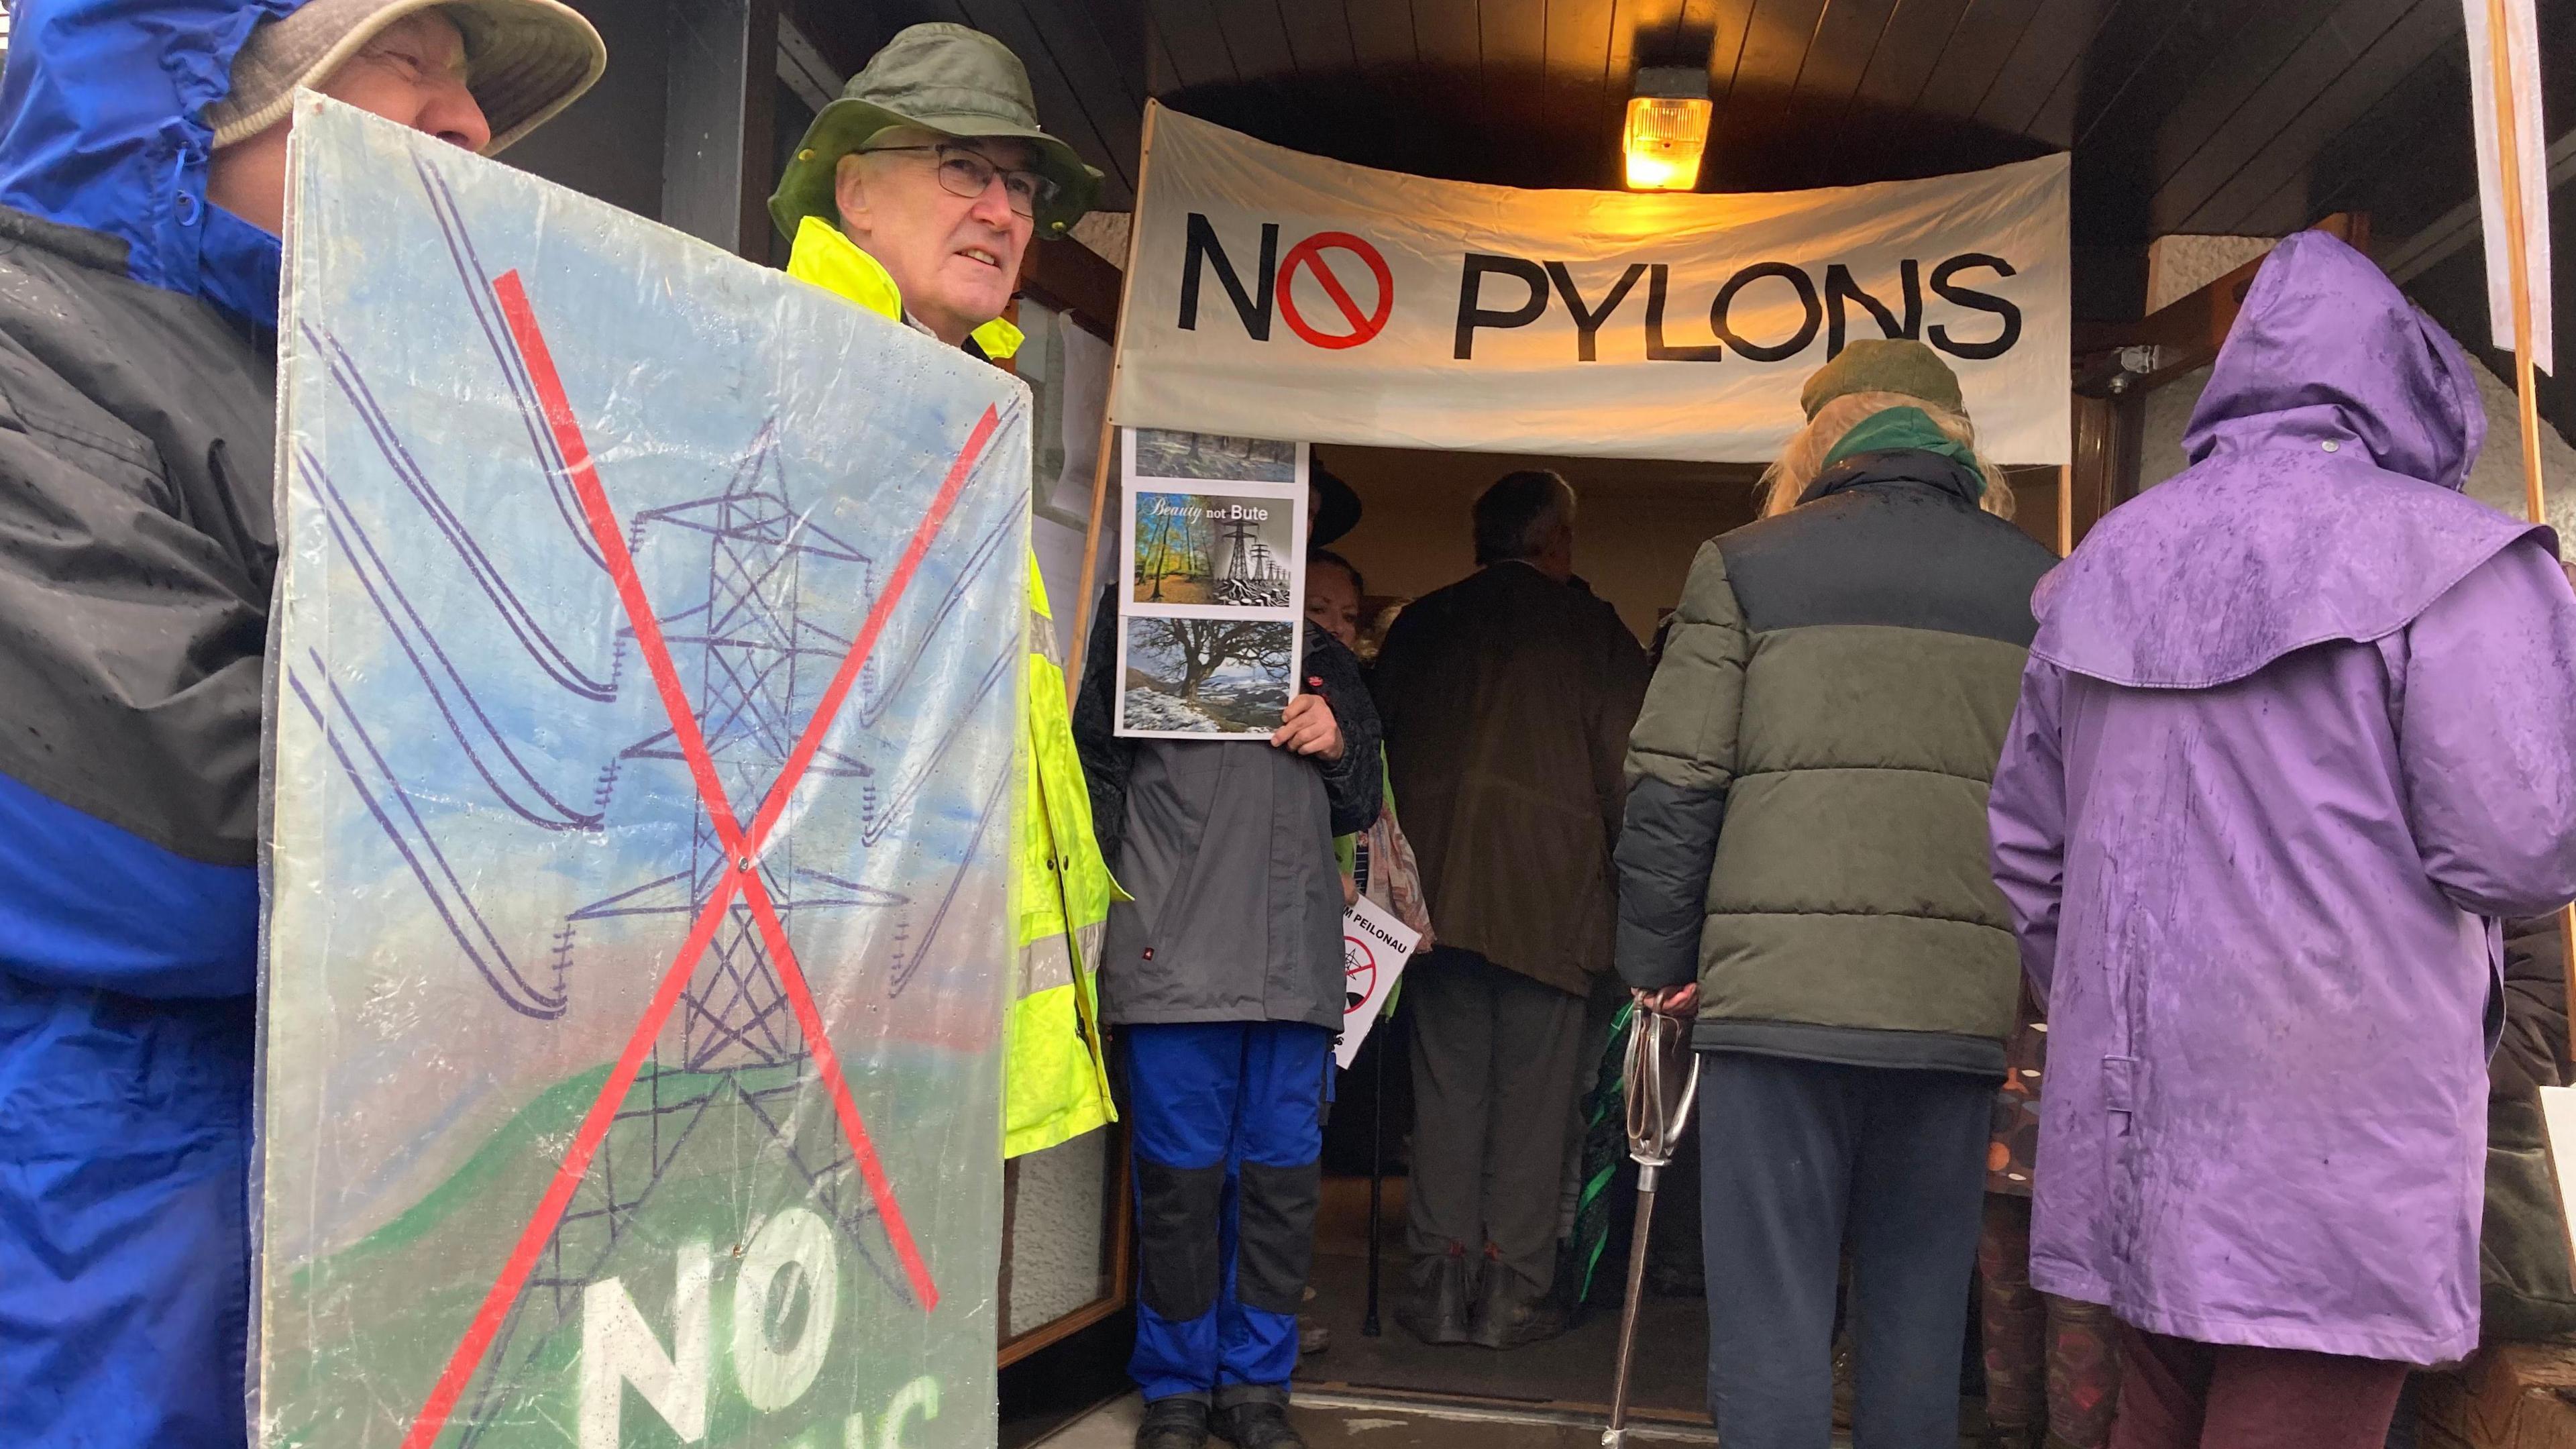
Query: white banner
[[1280, 295], [2522, 58]]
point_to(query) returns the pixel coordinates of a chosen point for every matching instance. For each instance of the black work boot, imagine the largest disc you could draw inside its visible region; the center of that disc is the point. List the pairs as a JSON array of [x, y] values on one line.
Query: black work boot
[[1438, 1312], [1180, 1422], [1256, 1423], [1508, 1318]]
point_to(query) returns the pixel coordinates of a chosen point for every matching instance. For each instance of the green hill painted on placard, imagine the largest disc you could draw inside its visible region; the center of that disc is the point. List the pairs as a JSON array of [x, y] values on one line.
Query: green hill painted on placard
[[362, 1334]]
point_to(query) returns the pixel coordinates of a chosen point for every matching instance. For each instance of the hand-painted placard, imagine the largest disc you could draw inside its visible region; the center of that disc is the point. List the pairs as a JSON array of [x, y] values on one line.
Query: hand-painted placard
[[636, 962]]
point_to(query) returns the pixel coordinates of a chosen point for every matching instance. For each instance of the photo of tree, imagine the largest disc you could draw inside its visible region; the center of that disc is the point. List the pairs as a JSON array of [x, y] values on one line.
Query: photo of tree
[[1206, 548], [1207, 676], [1161, 453]]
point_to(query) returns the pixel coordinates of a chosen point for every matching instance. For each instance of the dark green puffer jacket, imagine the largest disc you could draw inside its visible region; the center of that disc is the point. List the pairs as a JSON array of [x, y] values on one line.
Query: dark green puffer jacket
[[1806, 822]]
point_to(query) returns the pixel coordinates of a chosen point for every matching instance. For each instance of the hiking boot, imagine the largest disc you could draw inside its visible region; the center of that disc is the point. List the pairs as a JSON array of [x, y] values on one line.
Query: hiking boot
[[1256, 1424], [1312, 1337], [1174, 1423], [1505, 1319], [1438, 1312]]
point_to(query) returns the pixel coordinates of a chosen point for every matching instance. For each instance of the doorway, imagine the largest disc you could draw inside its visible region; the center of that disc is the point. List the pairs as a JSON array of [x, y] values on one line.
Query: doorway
[[1639, 525]]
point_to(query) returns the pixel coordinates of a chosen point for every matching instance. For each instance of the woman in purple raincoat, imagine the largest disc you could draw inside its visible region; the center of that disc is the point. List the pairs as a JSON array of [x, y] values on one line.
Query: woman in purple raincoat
[[2297, 727]]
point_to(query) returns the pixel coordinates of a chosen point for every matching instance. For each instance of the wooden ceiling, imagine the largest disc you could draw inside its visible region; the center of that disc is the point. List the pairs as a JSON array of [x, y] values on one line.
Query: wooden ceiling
[[2253, 116]]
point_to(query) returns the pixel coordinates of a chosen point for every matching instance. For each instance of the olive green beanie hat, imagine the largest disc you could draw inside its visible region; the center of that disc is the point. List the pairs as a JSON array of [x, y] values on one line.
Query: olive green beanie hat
[[1884, 364]]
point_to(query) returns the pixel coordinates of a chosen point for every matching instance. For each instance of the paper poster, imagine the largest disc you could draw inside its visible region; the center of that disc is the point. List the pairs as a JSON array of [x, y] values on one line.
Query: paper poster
[[1375, 946], [1212, 597], [645, 673]]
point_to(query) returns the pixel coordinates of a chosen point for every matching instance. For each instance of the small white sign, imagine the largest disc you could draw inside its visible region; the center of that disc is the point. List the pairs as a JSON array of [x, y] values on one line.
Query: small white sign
[[1375, 946]]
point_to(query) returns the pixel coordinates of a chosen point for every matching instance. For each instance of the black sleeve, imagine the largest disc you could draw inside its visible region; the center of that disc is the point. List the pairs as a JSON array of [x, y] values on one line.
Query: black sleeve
[[1106, 758], [1389, 682], [1355, 783], [2535, 1008], [1625, 675], [1681, 766]]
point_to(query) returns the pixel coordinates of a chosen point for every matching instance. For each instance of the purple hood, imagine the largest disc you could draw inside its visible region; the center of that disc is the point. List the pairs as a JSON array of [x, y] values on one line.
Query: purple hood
[[2323, 498]]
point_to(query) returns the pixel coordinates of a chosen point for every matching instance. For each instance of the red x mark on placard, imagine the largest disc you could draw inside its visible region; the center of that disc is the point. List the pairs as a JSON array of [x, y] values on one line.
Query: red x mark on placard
[[741, 876]]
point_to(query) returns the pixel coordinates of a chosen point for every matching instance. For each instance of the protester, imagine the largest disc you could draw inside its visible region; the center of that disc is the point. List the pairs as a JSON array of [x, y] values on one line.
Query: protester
[[1804, 863], [2052, 1364], [2295, 721], [2524, 1290], [2524, 1295], [914, 195], [1378, 862], [1224, 978], [142, 177], [1507, 697], [1333, 596]]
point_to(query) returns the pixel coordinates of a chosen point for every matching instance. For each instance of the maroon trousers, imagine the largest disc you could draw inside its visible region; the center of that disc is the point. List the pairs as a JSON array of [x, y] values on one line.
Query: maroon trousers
[[2179, 1394]]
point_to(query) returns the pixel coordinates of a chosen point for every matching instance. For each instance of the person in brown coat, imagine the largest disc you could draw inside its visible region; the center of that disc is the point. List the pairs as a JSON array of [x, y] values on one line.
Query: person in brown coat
[[1507, 699]]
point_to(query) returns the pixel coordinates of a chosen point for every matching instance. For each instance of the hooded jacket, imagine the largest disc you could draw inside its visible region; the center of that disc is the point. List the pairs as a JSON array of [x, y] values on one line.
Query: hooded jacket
[[136, 550], [1807, 785], [2296, 731]]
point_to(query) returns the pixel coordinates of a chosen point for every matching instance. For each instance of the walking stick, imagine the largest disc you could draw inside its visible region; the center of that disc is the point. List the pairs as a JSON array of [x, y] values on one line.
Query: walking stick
[[1663, 1079], [1377, 1180]]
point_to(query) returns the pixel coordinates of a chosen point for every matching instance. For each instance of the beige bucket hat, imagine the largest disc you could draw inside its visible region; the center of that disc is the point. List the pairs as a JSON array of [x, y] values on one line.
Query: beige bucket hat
[[525, 60]]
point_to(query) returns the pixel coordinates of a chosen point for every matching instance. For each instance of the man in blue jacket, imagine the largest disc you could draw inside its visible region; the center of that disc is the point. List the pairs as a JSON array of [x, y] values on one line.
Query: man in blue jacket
[[142, 178]]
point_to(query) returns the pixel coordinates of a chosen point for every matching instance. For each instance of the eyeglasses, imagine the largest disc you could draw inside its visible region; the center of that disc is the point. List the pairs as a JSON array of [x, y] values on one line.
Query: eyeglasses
[[965, 172]]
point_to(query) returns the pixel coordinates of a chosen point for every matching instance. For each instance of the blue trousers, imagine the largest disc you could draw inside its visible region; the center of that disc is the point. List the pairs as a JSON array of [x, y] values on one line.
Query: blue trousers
[[1799, 1161], [1227, 1120]]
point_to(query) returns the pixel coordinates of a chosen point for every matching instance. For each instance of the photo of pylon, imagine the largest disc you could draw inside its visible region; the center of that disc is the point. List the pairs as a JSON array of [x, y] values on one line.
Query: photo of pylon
[[645, 680]]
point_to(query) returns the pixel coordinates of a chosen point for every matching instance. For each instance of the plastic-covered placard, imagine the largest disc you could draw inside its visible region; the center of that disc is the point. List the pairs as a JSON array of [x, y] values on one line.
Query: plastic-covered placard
[[645, 681]]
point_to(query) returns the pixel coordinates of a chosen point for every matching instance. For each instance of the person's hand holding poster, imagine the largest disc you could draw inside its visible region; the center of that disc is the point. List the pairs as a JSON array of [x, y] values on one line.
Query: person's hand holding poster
[[1213, 598]]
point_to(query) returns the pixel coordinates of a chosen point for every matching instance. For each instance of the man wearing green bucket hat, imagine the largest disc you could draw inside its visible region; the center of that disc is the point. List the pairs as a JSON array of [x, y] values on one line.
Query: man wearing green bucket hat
[[917, 192], [914, 196]]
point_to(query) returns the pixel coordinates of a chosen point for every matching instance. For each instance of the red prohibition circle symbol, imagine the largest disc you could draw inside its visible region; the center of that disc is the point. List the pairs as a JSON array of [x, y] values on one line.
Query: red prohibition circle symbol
[[1359, 973], [1309, 254]]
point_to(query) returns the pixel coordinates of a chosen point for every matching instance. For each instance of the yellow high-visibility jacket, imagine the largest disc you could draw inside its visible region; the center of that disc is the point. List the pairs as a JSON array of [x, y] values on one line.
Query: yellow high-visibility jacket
[[1056, 1082]]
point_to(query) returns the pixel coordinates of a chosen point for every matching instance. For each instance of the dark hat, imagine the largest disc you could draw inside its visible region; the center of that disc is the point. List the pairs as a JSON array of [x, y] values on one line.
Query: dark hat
[[1337, 508], [1884, 364], [945, 78]]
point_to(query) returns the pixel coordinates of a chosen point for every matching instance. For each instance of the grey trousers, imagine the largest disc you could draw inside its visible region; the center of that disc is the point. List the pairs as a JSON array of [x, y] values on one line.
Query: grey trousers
[[1495, 1055]]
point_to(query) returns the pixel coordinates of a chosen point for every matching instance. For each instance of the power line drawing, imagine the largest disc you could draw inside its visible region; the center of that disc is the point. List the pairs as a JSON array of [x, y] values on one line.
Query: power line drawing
[[767, 698]]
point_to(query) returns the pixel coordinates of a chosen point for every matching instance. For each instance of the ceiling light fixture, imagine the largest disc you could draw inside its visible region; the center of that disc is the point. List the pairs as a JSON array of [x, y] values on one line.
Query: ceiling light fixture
[[1667, 129]]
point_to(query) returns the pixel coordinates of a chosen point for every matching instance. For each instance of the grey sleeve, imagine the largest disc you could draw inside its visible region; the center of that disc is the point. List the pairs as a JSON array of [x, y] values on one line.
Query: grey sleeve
[[132, 633]]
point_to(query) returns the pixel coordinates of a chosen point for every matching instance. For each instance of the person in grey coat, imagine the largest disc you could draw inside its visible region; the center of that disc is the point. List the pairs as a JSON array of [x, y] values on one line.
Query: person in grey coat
[[1222, 978]]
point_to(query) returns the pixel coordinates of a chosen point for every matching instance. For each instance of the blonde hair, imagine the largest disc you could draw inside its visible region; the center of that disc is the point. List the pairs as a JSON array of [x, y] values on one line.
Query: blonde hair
[[1802, 458]]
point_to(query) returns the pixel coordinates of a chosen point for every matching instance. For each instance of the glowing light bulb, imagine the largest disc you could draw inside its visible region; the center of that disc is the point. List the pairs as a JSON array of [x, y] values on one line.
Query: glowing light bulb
[[1664, 140]]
